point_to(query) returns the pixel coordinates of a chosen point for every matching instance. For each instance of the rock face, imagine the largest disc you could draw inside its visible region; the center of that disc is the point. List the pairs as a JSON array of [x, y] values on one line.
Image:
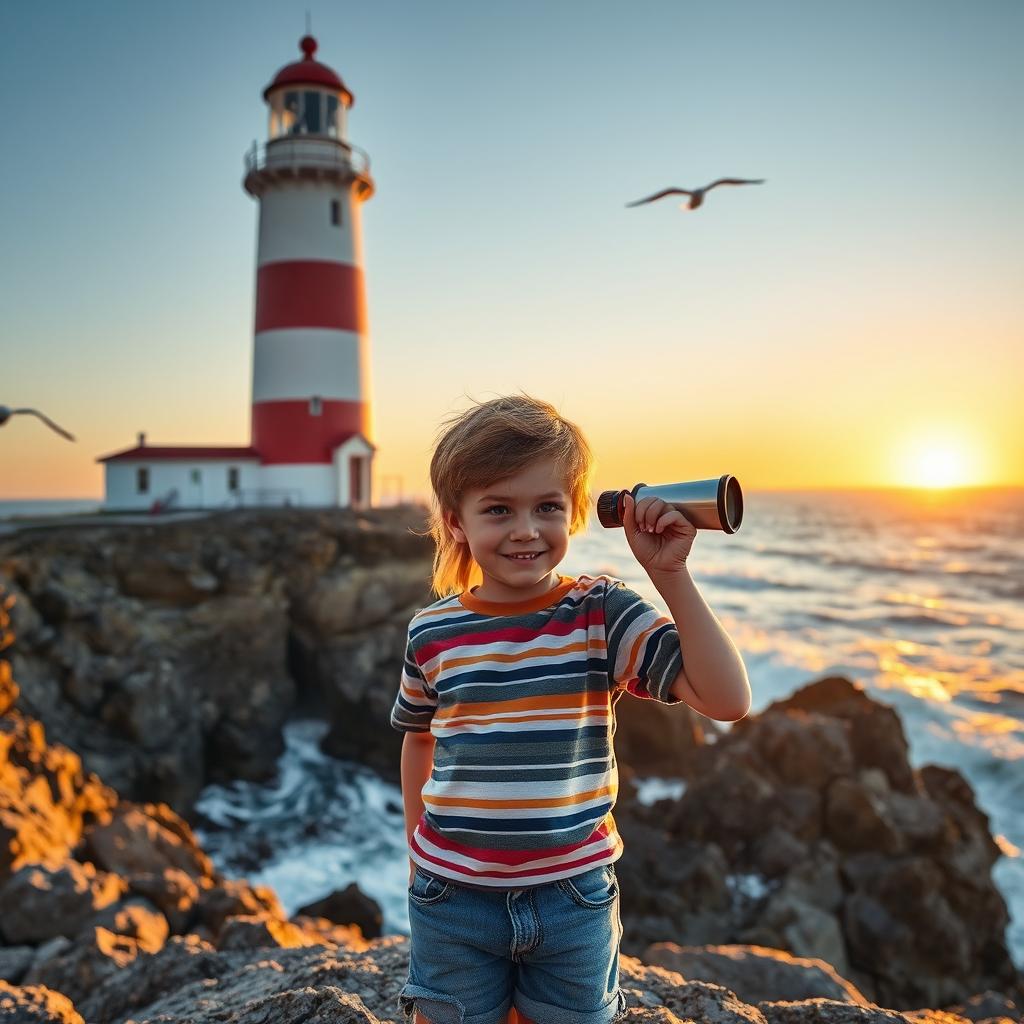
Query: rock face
[[169, 656], [806, 829]]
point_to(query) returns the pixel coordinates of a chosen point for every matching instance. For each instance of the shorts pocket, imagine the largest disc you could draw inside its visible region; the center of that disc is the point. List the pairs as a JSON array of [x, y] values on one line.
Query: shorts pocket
[[596, 888], [426, 889]]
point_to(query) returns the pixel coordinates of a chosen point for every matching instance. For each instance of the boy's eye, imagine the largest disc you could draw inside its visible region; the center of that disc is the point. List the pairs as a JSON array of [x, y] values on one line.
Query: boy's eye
[[504, 508]]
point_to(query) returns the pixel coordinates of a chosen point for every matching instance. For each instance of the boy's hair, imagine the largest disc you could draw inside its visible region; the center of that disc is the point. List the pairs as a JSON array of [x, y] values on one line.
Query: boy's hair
[[487, 443]]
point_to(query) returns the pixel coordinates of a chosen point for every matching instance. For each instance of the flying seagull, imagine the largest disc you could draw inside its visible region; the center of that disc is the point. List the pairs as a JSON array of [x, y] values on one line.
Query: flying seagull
[[6, 414], [697, 195]]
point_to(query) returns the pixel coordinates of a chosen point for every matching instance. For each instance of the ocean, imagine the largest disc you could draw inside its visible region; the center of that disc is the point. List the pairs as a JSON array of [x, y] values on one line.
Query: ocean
[[916, 595]]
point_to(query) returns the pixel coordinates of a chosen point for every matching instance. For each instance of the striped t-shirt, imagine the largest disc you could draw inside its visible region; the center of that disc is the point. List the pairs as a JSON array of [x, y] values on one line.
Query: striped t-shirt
[[520, 700]]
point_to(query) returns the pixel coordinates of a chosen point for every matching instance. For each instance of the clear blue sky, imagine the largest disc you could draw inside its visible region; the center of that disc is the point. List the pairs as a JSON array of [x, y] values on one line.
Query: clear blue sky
[[876, 274]]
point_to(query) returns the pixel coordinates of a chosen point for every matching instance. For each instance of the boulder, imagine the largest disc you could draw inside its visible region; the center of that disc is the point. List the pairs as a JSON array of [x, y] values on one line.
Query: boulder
[[755, 973], [39, 902], [147, 840], [348, 906], [834, 848]]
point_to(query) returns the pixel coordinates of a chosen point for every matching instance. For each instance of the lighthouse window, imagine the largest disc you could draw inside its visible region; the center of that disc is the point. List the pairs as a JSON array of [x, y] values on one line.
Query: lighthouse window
[[315, 406], [311, 111], [232, 478], [290, 115], [335, 212], [142, 480], [333, 128]]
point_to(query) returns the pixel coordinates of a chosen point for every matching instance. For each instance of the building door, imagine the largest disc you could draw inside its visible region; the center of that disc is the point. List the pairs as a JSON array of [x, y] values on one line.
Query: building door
[[355, 482]]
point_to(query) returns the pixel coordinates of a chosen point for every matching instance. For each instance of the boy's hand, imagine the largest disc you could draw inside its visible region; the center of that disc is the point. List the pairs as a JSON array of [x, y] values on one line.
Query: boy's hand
[[659, 535]]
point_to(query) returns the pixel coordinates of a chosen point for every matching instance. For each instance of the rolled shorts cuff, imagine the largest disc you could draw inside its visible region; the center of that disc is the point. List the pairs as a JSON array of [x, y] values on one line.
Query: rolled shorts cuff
[[545, 1013], [440, 1008]]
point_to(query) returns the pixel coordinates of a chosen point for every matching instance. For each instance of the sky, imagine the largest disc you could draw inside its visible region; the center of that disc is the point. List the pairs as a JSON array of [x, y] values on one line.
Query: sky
[[856, 321]]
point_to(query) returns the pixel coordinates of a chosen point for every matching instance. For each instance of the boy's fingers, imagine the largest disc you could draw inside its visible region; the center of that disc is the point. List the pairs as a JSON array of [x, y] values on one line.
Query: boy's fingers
[[673, 515], [627, 505]]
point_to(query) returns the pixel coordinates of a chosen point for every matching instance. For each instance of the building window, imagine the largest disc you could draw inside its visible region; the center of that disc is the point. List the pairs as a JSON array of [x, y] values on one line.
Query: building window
[[194, 476], [336, 213], [315, 406], [142, 480], [311, 112], [290, 116], [232, 478], [333, 123]]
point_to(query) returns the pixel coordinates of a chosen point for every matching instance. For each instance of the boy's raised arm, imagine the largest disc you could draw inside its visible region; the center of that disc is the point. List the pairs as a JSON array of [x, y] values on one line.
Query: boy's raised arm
[[714, 678]]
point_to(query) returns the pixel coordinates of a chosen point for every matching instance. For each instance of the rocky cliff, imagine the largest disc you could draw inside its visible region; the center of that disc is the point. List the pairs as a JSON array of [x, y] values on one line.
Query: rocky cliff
[[807, 872]]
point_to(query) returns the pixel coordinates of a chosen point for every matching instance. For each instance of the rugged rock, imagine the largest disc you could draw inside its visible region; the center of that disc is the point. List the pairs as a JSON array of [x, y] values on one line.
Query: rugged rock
[[805, 829], [35, 1005], [190, 981], [348, 906], [170, 655], [755, 973], [39, 902]]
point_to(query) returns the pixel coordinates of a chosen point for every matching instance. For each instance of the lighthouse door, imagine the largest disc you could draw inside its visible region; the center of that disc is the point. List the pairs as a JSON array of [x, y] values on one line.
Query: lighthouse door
[[355, 482]]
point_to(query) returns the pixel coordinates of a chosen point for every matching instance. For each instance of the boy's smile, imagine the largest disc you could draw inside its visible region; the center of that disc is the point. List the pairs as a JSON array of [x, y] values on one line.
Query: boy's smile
[[517, 529]]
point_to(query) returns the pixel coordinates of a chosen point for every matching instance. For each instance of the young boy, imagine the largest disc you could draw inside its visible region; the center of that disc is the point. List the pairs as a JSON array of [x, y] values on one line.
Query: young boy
[[507, 702]]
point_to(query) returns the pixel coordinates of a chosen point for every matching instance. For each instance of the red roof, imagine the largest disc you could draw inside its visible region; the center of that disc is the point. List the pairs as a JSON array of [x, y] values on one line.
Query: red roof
[[309, 72], [185, 452]]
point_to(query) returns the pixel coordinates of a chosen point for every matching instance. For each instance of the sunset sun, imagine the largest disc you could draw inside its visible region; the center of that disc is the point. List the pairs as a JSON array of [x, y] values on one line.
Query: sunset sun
[[938, 463]]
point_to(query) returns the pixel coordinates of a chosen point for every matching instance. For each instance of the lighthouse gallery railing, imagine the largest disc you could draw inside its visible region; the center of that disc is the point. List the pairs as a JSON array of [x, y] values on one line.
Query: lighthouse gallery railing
[[308, 151]]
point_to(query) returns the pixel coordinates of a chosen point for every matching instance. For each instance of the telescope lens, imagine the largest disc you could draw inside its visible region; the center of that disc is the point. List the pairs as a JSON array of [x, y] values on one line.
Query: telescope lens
[[733, 505]]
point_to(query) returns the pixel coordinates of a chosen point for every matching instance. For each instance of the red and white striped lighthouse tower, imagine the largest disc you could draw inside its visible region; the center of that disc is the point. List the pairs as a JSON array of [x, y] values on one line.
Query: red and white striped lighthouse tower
[[311, 415]]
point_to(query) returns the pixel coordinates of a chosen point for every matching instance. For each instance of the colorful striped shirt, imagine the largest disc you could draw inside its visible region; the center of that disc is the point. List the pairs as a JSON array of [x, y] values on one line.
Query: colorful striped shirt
[[520, 698]]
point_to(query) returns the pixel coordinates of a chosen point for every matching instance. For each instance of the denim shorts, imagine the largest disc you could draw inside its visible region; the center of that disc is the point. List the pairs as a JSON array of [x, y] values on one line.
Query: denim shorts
[[550, 950]]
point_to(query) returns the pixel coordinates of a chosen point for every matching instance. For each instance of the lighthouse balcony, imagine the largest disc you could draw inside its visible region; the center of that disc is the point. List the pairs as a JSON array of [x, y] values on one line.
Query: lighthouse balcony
[[307, 159]]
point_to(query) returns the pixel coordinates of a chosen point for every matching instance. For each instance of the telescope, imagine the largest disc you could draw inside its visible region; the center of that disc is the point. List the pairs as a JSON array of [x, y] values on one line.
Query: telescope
[[715, 504]]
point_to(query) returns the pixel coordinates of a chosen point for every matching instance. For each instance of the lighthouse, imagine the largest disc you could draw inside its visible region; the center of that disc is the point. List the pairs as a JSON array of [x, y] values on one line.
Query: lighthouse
[[311, 419], [311, 414]]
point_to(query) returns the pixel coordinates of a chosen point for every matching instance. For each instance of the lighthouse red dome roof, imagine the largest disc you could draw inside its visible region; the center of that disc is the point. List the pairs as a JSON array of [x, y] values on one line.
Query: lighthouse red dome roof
[[309, 72]]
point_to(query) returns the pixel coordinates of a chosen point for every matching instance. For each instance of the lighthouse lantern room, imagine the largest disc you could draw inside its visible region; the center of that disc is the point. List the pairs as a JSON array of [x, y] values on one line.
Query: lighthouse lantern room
[[311, 418]]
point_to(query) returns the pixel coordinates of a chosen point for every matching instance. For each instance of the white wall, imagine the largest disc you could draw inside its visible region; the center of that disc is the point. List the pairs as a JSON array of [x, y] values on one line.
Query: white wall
[[298, 362], [310, 484], [295, 224], [211, 491]]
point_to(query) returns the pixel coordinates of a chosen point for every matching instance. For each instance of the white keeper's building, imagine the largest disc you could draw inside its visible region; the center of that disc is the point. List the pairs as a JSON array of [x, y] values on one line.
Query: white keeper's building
[[312, 434]]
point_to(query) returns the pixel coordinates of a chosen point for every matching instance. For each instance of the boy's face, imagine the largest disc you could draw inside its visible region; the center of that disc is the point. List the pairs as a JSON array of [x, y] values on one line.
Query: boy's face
[[524, 513]]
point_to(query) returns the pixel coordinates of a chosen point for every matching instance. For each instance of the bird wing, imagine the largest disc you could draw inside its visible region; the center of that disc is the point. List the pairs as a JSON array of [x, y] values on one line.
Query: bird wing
[[47, 421], [661, 195], [735, 181]]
